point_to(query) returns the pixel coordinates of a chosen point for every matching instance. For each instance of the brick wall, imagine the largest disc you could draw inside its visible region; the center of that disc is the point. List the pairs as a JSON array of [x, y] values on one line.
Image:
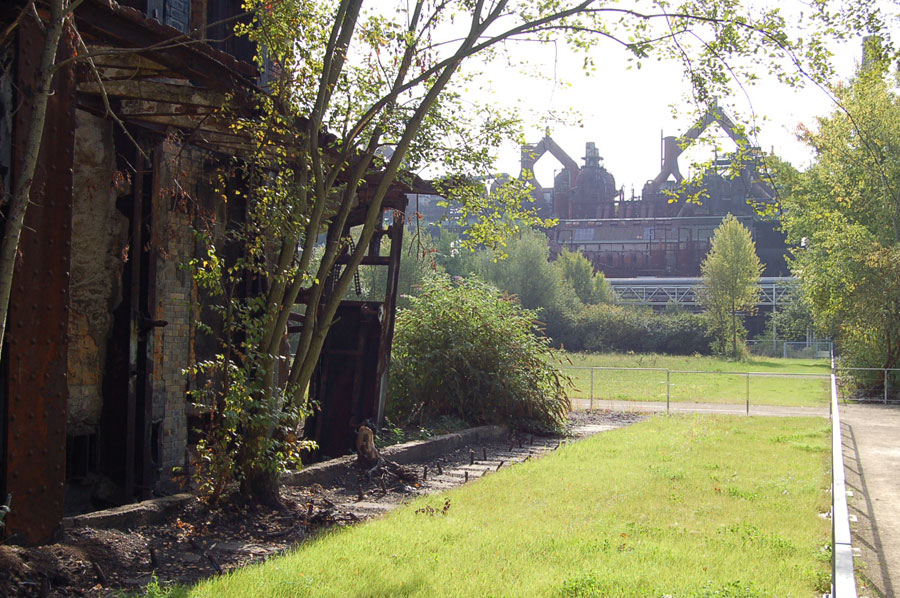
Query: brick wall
[[172, 345]]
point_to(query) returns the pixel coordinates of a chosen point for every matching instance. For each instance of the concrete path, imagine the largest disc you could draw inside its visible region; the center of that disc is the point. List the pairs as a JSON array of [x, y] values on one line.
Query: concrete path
[[678, 407], [871, 437]]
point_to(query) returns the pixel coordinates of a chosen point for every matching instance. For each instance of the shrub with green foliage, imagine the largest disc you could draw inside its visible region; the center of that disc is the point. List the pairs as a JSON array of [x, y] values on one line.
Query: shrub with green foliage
[[574, 304], [524, 269], [463, 349], [601, 328], [578, 272]]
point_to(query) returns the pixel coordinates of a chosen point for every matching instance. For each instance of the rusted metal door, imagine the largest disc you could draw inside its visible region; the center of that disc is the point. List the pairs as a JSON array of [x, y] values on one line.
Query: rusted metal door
[[351, 377], [346, 382]]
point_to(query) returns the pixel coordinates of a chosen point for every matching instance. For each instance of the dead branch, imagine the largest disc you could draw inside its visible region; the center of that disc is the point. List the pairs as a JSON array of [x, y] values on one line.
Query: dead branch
[[12, 26]]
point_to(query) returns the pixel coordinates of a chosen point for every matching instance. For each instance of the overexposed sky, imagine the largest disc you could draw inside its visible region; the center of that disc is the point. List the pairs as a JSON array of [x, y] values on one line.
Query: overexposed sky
[[625, 112]]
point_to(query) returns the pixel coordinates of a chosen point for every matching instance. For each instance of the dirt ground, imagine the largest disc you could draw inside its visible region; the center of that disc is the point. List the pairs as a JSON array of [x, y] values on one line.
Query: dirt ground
[[198, 541]]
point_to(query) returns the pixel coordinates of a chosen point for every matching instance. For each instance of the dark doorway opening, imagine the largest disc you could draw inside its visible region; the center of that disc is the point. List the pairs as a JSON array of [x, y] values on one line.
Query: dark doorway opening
[[126, 439]]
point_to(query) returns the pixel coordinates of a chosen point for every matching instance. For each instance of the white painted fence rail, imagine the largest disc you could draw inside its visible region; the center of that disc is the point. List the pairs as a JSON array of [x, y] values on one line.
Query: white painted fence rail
[[843, 577]]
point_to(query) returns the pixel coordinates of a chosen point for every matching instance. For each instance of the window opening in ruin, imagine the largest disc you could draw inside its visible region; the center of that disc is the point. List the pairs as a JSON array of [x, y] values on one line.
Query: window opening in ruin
[[155, 445], [584, 234], [81, 456]]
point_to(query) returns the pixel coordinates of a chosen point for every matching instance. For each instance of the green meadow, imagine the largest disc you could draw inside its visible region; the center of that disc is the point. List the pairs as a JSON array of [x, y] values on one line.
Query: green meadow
[[708, 379], [674, 507]]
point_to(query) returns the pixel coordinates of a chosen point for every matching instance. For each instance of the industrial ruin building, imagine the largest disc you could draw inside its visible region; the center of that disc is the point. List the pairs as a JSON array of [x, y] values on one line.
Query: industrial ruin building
[[103, 315], [665, 231]]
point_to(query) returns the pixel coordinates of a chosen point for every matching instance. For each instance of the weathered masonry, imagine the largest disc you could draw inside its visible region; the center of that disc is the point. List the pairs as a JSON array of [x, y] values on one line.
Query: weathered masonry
[[93, 408]]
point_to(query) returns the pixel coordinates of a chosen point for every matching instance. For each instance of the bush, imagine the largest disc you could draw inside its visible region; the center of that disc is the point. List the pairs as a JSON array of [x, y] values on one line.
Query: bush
[[578, 272], [537, 283], [462, 349], [527, 273], [573, 304], [602, 328]]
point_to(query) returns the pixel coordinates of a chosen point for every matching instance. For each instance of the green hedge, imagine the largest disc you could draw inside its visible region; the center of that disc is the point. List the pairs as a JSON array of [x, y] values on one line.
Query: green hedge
[[602, 328]]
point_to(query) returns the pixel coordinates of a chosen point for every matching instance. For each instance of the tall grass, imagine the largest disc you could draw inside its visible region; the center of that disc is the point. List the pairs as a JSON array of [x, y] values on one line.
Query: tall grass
[[777, 388], [680, 507]]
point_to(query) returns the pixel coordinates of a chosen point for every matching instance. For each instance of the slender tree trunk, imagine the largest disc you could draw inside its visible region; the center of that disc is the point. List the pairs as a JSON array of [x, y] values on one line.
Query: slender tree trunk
[[18, 206], [733, 332]]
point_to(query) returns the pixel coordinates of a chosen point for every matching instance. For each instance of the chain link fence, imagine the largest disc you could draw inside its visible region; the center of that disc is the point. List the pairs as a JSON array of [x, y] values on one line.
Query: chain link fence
[[791, 349], [594, 385], [867, 385]]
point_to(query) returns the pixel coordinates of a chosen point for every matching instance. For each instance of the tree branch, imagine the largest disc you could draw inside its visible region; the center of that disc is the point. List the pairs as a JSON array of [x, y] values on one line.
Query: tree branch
[[12, 26]]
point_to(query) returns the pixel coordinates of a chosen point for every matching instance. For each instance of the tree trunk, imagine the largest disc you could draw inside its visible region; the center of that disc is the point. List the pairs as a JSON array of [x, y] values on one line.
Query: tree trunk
[[734, 352], [259, 483]]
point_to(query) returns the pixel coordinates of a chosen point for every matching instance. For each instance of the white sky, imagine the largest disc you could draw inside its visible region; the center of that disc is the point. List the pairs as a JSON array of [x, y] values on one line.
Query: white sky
[[625, 111]]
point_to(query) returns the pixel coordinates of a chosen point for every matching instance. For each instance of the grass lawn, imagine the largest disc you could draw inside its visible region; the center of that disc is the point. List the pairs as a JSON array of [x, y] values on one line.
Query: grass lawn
[[773, 389], [680, 507]]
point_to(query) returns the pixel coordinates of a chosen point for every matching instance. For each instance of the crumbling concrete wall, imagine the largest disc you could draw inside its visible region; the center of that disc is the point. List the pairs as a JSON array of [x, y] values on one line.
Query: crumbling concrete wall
[[99, 237]]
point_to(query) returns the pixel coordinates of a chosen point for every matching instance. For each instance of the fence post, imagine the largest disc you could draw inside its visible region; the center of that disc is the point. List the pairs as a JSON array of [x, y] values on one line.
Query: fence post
[[748, 393], [834, 385], [592, 389], [668, 390], [885, 386]]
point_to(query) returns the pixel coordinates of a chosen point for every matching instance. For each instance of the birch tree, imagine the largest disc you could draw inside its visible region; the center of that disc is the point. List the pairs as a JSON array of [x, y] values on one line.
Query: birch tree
[[353, 78]]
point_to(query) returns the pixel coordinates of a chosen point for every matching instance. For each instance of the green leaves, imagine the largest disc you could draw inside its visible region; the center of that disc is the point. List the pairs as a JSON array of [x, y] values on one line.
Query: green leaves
[[359, 99], [465, 350], [845, 210], [578, 272], [730, 273]]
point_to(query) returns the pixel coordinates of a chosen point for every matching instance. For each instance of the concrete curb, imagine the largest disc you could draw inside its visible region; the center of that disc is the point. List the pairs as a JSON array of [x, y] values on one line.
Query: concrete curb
[[133, 515], [155, 510], [327, 472]]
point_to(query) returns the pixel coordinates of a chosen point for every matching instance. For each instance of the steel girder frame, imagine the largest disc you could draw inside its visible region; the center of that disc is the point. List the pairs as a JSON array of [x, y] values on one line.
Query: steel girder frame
[[36, 354], [659, 291]]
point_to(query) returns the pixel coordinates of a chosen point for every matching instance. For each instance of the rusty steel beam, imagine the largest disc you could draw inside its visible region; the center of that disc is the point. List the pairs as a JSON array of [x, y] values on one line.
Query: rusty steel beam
[[39, 303], [395, 233]]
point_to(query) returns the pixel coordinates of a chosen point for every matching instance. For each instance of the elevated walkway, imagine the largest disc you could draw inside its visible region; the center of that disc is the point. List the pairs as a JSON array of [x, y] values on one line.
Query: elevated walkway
[[657, 291]]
